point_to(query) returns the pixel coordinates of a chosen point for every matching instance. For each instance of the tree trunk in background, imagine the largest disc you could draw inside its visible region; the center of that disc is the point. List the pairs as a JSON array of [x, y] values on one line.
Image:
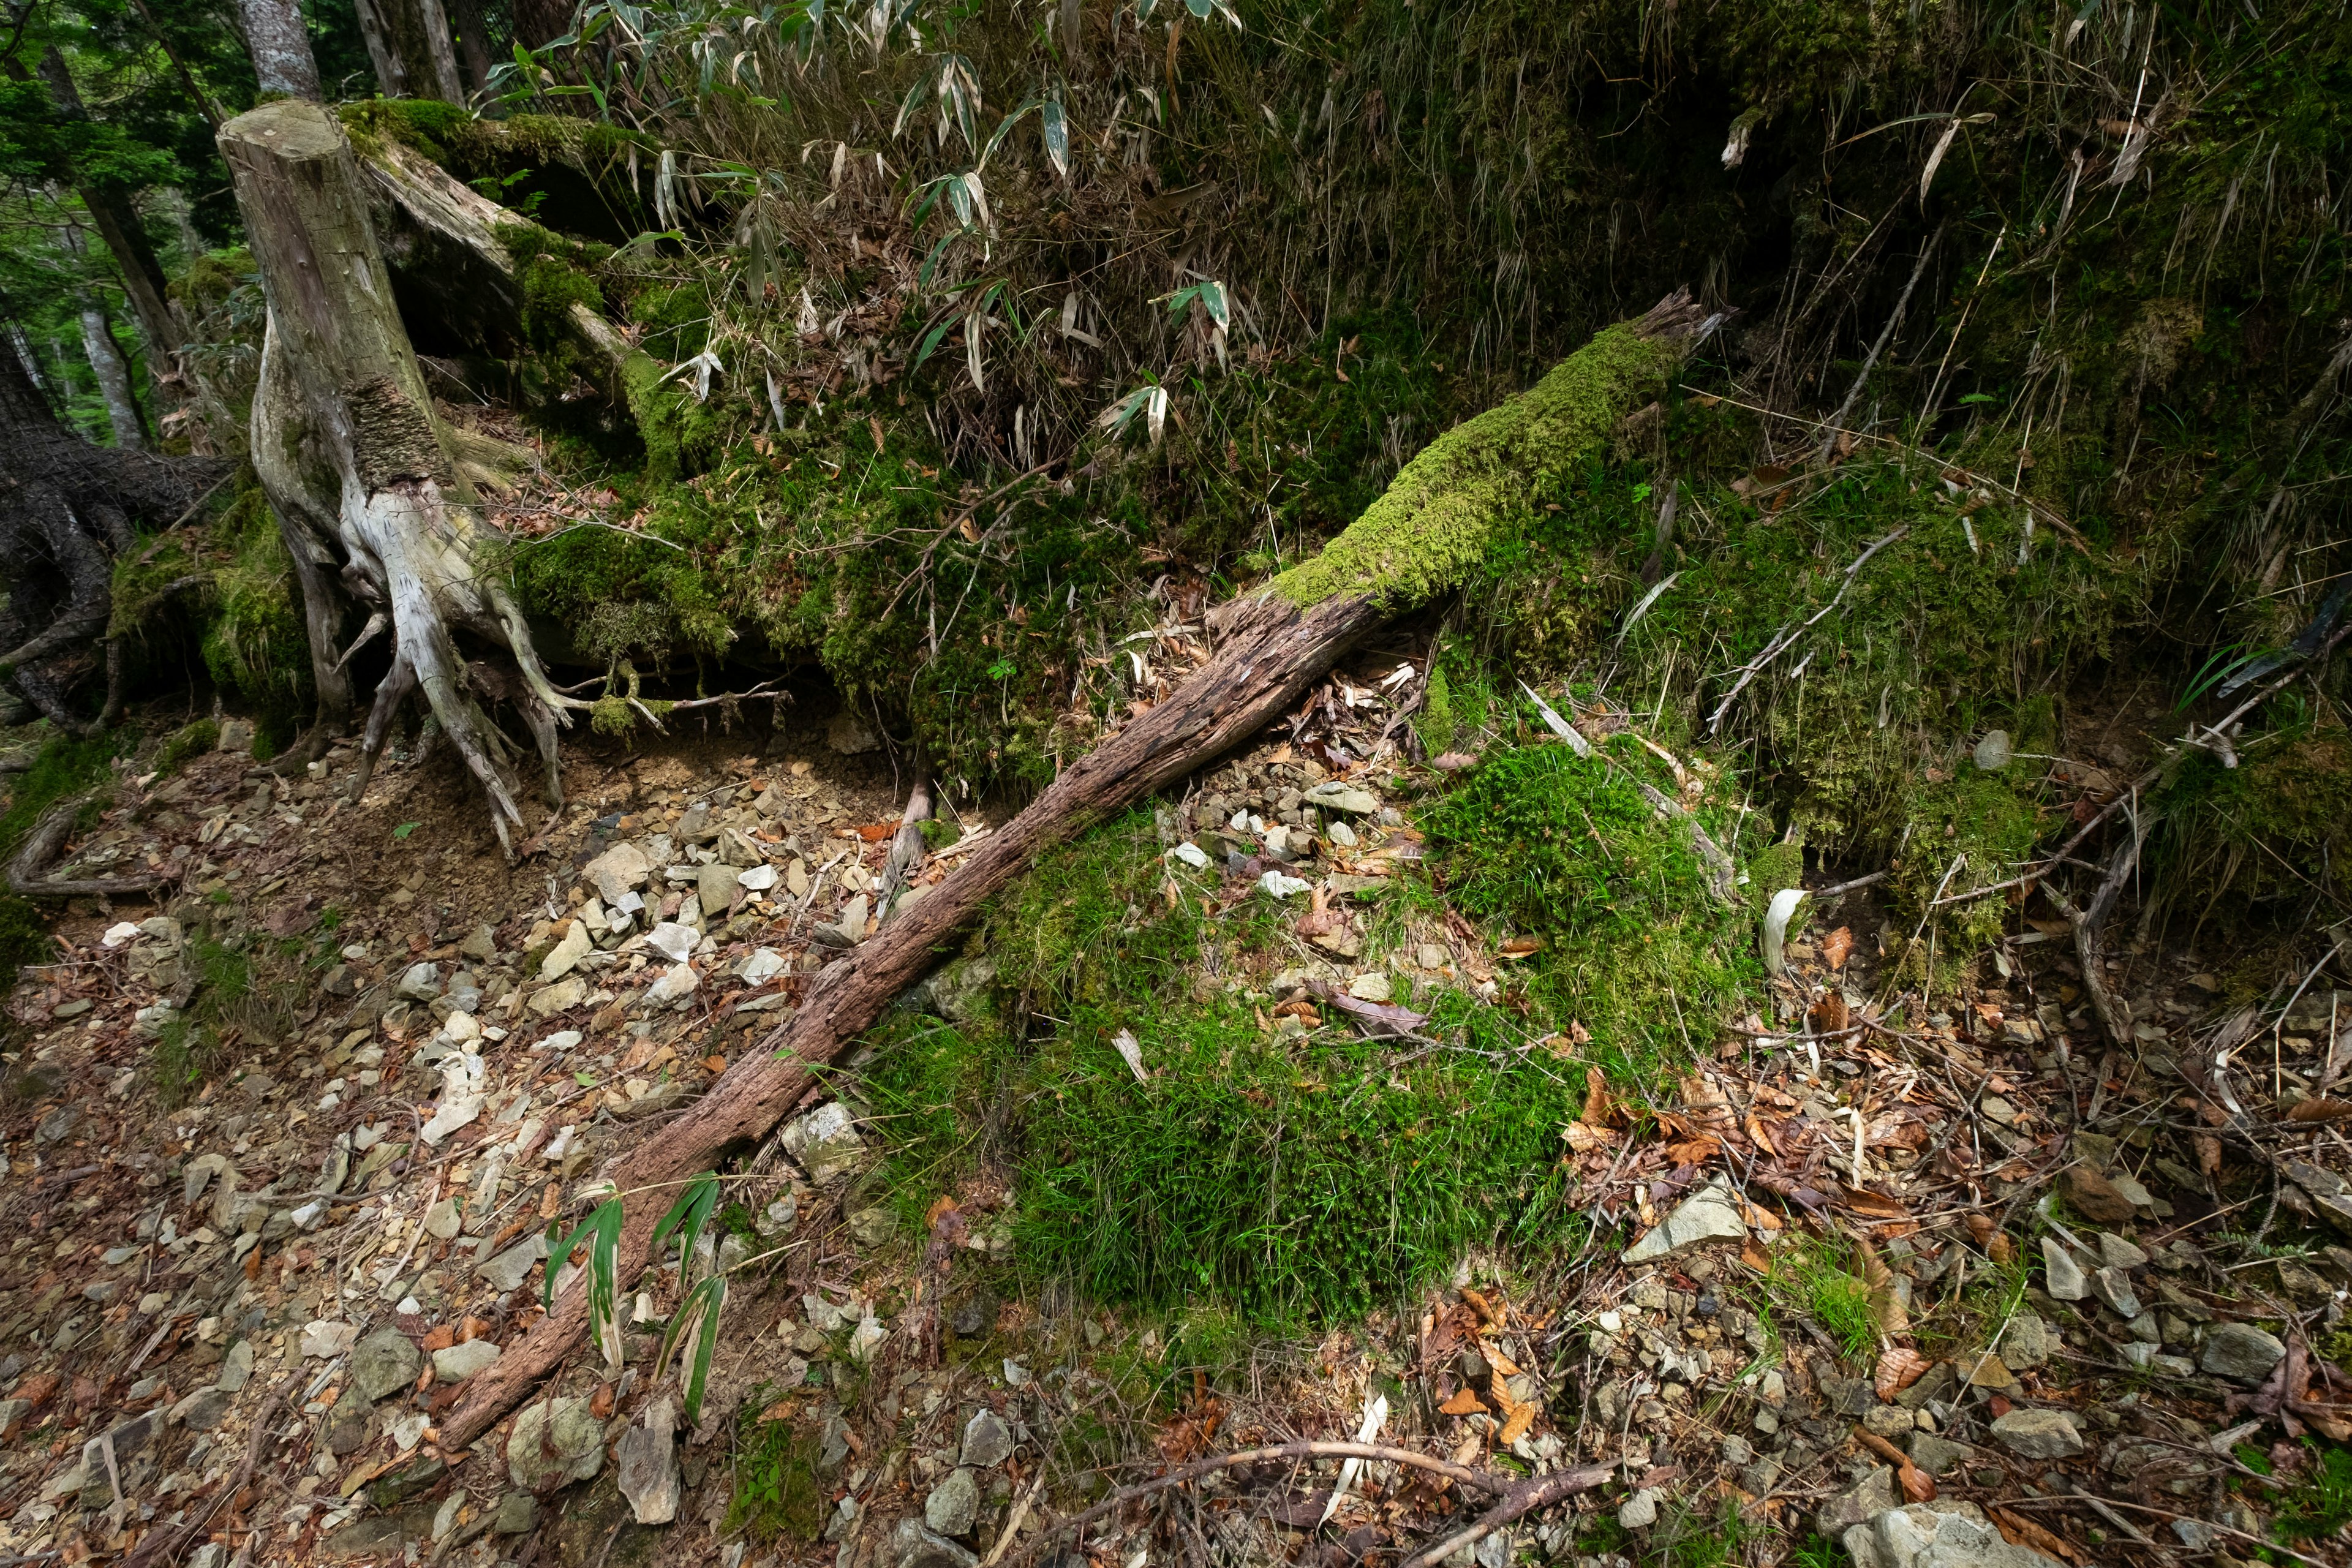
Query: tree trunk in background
[[538, 22], [410, 43], [473, 42], [66, 510], [113, 373], [281, 47], [1464, 493], [117, 221], [357, 465]]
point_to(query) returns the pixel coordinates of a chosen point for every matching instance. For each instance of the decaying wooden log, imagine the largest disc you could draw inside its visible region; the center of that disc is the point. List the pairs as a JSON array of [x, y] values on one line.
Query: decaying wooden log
[[1466, 491]]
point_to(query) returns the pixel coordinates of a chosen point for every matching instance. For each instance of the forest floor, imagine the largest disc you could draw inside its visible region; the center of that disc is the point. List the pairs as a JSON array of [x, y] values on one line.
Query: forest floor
[[282, 1153]]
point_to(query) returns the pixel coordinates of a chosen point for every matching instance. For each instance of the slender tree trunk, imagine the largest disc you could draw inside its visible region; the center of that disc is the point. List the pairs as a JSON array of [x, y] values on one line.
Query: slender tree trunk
[[409, 42], [541, 22], [280, 45], [113, 373], [117, 221], [1461, 495], [354, 459], [473, 42]]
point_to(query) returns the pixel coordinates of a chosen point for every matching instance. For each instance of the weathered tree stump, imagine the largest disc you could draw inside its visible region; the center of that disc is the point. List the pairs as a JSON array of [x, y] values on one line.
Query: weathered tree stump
[[366, 479]]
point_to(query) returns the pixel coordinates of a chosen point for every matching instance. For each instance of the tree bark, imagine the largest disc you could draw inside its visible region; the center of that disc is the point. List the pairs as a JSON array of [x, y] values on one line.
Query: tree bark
[[473, 42], [541, 22], [1447, 506], [280, 45], [354, 458], [409, 43], [113, 373]]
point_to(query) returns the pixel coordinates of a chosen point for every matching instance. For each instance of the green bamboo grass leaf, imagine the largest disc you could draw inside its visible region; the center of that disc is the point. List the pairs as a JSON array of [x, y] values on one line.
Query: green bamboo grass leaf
[[691, 1213], [601, 1231], [694, 1329]]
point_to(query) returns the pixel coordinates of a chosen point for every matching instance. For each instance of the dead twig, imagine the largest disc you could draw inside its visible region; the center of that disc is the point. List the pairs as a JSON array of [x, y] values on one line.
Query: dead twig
[[1460, 1475], [1540, 1491]]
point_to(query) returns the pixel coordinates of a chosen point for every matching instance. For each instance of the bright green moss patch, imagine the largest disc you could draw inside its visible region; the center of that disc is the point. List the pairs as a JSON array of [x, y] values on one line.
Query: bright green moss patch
[[1554, 842], [1433, 525]]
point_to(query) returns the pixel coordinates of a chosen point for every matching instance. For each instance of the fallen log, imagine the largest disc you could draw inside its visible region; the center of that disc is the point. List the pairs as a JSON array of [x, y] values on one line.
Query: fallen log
[[1436, 521]]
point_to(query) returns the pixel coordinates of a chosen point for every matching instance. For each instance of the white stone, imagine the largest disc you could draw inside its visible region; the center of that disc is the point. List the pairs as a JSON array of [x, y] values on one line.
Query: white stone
[[1710, 1214], [673, 940], [1193, 855], [757, 879], [763, 964], [676, 983], [325, 1341], [1274, 885], [566, 954]]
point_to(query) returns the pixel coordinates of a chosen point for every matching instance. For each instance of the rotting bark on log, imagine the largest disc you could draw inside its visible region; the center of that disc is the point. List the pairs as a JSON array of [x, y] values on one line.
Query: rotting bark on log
[[1272, 645]]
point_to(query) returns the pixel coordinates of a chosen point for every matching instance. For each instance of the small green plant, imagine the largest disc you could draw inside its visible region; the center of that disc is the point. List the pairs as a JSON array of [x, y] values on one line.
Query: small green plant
[[693, 1331], [24, 938], [1838, 1300], [776, 1491], [2322, 1505]]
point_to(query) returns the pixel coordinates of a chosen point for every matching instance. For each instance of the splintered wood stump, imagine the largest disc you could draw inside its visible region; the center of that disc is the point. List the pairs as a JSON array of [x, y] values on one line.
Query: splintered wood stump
[[1468, 488], [362, 473]]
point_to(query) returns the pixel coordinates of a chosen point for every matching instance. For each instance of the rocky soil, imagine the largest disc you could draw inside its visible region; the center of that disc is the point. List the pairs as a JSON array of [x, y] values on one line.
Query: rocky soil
[[281, 1155]]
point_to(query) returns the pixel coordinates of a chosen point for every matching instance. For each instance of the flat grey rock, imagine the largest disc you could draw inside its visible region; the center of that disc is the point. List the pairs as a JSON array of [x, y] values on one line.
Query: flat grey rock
[[914, 1547], [1935, 1535], [385, 1362], [553, 1443], [1938, 1455], [455, 1363], [2061, 1276], [2029, 1343], [2240, 1350], [517, 1513], [1711, 1214], [507, 1270], [1869, 1498], [953, 1507], [2039, 1433], [647, 1459], [987, 1440]]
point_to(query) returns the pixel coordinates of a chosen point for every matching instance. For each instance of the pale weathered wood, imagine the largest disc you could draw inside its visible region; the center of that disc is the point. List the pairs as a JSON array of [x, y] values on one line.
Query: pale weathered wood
[[347, 447]]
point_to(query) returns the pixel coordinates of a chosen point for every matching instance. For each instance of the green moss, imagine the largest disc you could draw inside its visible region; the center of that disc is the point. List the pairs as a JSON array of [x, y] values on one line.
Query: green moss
[[24, 938], [1434, 723], [65, 767], [184, 744], [256, 644], [2235, 842], [1956, 835], [1557, 843], [1436, 522]]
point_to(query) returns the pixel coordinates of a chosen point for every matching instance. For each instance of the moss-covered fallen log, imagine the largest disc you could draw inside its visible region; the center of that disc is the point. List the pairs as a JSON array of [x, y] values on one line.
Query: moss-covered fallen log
[[1466, 492]]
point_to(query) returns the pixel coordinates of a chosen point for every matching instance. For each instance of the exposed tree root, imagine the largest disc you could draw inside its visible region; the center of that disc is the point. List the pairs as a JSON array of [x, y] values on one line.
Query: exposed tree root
[[27, 870]]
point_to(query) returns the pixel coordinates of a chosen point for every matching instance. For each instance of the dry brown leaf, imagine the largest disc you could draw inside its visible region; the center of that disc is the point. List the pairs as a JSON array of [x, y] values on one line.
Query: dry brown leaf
[[2000, 1249], [1598, 1109], [1979, 1228], [1522, 1416], [1837, 947], [1695, 1152], [2321, 1110], [1899, 1367], [1828, 1015], [1499, 1362], [1755, 1257], [1988, 1371], [1885, 1301], [1465, 1403]]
